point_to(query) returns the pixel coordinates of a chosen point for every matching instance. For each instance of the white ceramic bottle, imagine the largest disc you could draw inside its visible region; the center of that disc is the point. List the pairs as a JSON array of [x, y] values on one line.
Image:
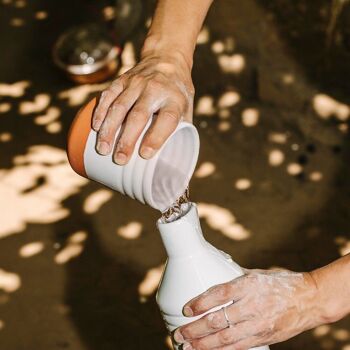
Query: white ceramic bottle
[[192, 267]]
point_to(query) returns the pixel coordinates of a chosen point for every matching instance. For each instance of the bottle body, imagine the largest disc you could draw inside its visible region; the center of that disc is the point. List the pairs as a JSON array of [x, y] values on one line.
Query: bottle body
[[192, 267]]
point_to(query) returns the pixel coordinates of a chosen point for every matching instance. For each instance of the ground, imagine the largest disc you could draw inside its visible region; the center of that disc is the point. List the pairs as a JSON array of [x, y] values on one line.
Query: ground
[[79, 264]]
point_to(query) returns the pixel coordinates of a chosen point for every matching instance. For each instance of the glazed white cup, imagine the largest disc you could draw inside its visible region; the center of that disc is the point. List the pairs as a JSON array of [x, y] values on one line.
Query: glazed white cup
[[157, 182]]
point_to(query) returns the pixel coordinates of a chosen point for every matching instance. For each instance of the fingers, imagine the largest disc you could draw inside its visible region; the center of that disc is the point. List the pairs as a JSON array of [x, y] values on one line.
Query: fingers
[[206, 325], [164, 125], [114, 119], [227, 336], [244, 344], [215, 296], [135, 123], [105, 101]]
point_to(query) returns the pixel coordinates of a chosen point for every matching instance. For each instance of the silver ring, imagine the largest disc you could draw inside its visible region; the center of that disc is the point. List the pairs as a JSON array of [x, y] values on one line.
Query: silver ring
[[229, 324]]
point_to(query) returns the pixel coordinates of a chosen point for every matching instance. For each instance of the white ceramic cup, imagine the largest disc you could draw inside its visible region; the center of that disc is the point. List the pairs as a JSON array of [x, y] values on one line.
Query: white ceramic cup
[[157, 182]]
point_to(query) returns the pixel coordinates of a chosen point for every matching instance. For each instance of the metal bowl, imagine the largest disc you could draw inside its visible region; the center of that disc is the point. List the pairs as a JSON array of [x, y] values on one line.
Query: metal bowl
[[87, 54]]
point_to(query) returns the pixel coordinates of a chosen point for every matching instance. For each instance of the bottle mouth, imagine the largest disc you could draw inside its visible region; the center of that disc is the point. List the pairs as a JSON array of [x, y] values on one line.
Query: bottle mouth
[[180, 208]]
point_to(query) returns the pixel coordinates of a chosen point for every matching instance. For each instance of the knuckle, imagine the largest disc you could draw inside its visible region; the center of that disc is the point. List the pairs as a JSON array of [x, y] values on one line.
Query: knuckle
[[226, 337], [138, 114], [213, 320], [200, 345], [154, 85], [137, 79], [171, 115], [119, 106]]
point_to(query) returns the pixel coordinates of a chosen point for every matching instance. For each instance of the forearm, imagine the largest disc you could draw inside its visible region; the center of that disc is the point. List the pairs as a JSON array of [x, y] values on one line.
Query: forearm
[[333, 283], [175, 27]]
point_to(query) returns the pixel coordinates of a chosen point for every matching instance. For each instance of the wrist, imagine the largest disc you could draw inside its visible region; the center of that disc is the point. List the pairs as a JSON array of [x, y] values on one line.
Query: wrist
[[155, 45]]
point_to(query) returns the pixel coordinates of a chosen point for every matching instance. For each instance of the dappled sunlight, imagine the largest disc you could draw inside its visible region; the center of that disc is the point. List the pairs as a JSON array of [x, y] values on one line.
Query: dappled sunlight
[[127, 57], [149, 284], [243, 184], [288, 78], [5, 137], [205, 169], [17, 22], [232, 63], [330, 336], [228, 99], [132, 230], [5, 107], [108, 13], [276, 157], [224, 126], [2, 324], [250, 117], [50, 116], [9, 281], [326, 107], [15, 89], [41, 102], [218, 47], [222, 220], [316, 176], [54, 128], [278, 137], [35, 188], [95, 200], [224, 113], [205, 106], [31, 249], [73, 248], [41, 15], [203, 36], [294, 169], [77, 95]]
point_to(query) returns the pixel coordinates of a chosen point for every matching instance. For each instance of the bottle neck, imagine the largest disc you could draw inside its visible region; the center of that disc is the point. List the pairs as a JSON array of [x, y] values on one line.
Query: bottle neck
[[182, 237]]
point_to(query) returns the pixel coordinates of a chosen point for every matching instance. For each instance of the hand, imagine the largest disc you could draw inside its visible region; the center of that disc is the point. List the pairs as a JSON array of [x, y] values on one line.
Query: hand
[[160, 83], [268, 307]]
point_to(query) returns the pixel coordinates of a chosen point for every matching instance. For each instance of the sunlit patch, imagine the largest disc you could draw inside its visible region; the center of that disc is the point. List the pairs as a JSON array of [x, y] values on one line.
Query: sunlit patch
[[50, 115], [41, 15], [78, 237], [68, 253], [148, 22], [54, 127], [4, 107], [326, 106], [31, 249], [40, 102], [79, 94], [224, 113], [20, 3], [15, 89], [168, 342], [17, 22], [128, 57], [95, 200], [295, 147], [250, 117], [132, 230], [203, 36], [228, 99], [224, 126], [316, 176], [229, 44], [5, 137], [222, 220], [203, 124], [9, 282], [150, 283], [205, 105], [343, 127], [294, 169], [276, 157], [288, 78], [205, 169], [232, 64], [218, 47], [35, 188], [321, 331], [6, 2], [278, 137], [341, 334], [243, 184], [108, 13]]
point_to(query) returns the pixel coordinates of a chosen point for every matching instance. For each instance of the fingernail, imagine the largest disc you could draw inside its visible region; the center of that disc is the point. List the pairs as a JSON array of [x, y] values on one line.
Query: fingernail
[[147, 152], [188, 311], [187, 346], [178, 337], [120, 158], [96, 124], [102, 147]]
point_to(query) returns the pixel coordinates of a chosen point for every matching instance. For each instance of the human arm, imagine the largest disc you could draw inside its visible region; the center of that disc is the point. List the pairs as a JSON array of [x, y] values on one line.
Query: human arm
[[269, 306], [160, 83]]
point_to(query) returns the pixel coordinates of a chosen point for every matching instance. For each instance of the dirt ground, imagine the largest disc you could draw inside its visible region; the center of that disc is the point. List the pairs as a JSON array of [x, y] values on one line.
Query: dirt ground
[[79, 264]]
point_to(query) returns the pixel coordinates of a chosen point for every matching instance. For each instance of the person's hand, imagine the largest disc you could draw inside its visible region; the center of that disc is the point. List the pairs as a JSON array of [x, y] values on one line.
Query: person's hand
[[268, 307], [160, 83]]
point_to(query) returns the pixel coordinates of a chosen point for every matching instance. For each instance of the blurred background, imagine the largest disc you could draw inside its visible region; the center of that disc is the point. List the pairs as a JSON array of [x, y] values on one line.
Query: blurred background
[[80, 264]]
